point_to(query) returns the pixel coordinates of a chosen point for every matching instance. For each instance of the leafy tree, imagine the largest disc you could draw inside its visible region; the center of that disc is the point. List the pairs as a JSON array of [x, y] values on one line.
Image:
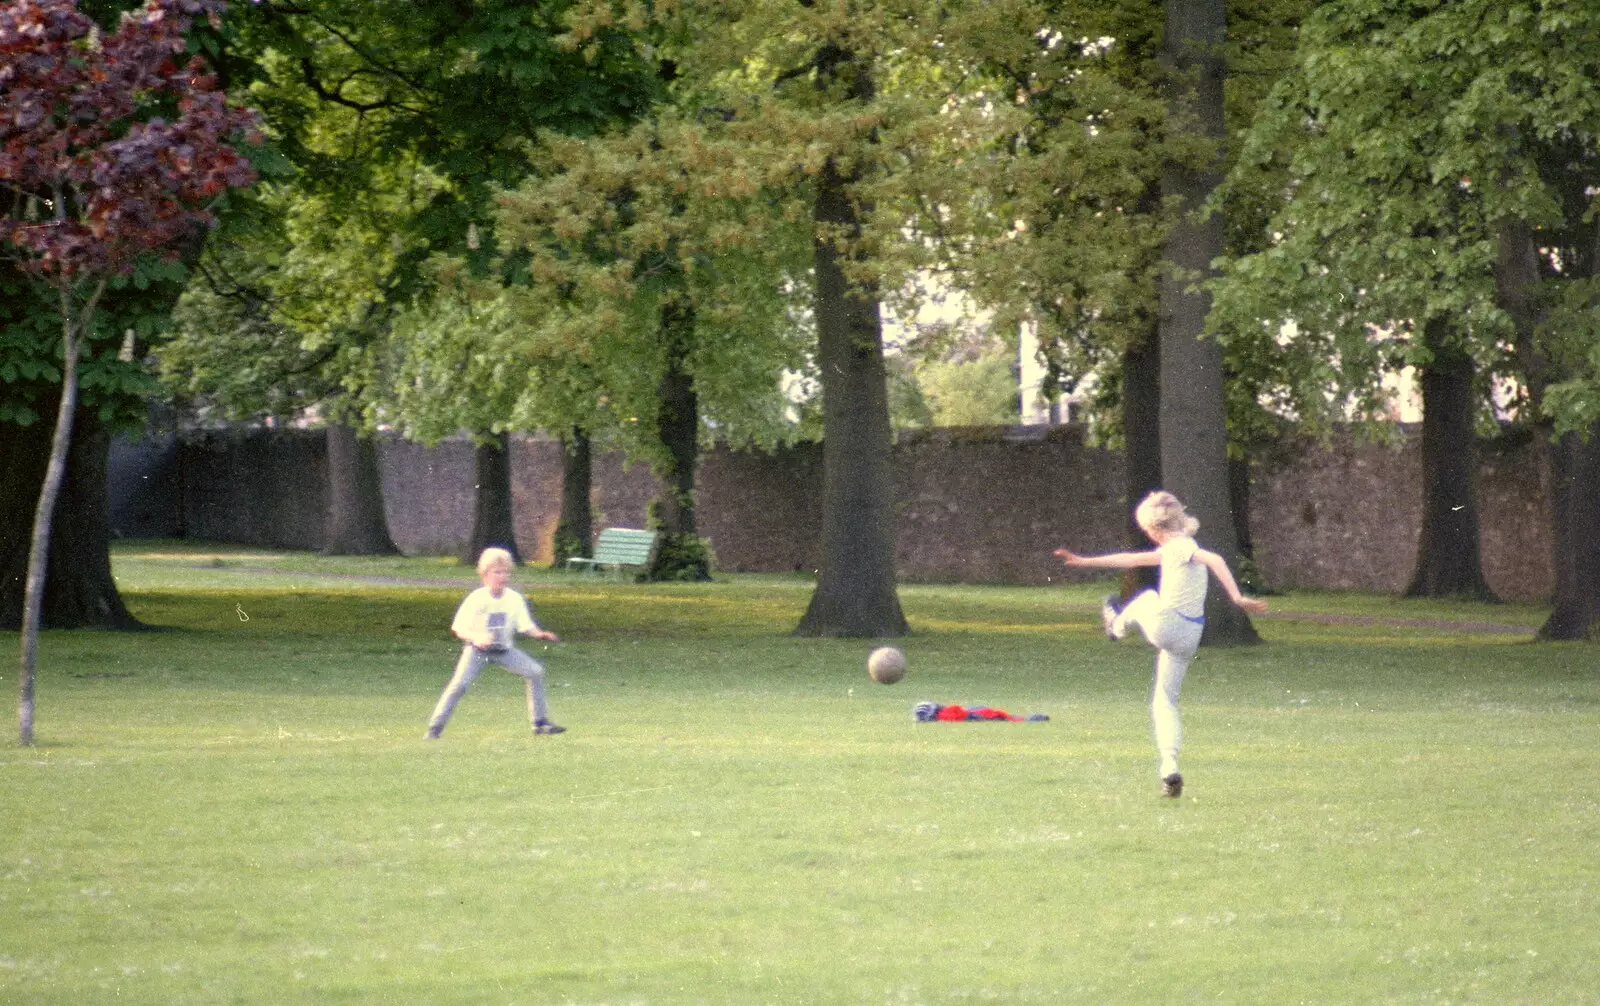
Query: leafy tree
[[458, 84], [1082, 180], [838, 128], [115, 149], [855, 593], [908, 405], [978, 392], [289, 312], [113, 388], [465, 362], [1425, 314], [1413, 140], [657, 285], [445, 385], [1546, 278], [400, 120], [900, 111], [844, 84]]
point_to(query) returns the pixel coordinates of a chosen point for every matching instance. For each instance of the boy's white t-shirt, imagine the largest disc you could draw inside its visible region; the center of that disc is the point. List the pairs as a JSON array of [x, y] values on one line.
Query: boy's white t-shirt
[[502, 616], [1183, 579]]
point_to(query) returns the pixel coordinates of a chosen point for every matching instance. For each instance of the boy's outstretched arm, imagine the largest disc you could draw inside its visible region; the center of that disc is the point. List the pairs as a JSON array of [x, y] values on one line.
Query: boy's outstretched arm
[[1224, 576], [1114, 560]]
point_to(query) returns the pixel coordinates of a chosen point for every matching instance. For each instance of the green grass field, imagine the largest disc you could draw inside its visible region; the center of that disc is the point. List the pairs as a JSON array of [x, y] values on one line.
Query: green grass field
[[1389, 802]]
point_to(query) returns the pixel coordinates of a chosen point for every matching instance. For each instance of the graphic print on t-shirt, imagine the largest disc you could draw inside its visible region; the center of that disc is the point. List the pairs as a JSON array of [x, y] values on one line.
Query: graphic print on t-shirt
[[499, 630]]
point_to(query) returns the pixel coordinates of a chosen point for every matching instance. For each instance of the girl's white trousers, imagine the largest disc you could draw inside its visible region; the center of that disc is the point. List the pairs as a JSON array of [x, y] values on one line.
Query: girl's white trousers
[[1175, 638]]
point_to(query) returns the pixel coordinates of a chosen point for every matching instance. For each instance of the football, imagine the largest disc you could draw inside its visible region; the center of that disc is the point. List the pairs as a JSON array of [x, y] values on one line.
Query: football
[[886, 665]]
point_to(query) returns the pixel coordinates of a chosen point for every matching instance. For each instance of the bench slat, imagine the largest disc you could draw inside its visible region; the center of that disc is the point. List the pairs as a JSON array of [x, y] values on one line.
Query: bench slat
[[620, 546]]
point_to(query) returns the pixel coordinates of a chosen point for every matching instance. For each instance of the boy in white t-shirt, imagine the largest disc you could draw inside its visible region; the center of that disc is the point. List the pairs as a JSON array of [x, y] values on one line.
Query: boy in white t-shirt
[[1171, 619], [488, 622]]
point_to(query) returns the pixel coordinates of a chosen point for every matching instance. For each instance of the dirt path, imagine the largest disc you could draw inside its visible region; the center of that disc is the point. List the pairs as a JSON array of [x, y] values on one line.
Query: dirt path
[[391, 581]]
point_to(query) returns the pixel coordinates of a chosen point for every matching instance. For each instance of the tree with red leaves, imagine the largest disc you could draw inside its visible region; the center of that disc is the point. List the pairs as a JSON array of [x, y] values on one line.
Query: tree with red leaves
[[113, 147]]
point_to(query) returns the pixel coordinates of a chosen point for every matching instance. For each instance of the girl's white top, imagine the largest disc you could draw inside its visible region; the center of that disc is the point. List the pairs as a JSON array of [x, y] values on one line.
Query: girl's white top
[[502, 616], [1183, 579]]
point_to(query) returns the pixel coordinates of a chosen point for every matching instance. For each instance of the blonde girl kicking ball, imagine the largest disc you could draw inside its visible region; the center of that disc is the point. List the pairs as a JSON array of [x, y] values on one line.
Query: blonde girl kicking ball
[[1170, 619]]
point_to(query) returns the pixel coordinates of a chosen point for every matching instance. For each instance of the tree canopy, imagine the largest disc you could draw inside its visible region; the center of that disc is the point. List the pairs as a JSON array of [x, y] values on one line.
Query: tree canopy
[[396, 122], [1402, 139]]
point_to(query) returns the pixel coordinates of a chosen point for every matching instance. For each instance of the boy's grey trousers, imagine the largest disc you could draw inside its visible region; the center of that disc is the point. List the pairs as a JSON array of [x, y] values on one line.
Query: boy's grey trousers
[[467, 668]]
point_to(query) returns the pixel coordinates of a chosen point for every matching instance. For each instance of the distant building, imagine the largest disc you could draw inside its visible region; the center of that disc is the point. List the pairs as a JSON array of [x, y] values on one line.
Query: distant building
[[1038, 408]]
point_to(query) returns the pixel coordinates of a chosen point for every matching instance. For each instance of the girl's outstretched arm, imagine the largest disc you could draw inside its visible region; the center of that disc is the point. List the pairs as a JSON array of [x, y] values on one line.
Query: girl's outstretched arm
[[1224, 576], [1115, 560]]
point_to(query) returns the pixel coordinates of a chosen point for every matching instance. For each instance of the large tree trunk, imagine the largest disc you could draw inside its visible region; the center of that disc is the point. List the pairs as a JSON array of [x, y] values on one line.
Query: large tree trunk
[[1194, 428], [1141, 435], [1449, 561], [680, 555], [1239, 503], [575, 526], [855, 593], [1573, 462], [1575, 501], [356, 521], [1141, 394], [493, 513], [79, 591], [1575, 527]]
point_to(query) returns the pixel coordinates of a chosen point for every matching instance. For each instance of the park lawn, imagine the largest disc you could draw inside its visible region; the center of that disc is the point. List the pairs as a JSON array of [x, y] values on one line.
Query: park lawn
[[242, 808]]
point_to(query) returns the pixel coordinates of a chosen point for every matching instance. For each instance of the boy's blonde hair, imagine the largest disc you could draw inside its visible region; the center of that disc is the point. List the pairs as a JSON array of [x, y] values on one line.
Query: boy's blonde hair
[[493, 557], [1161, 511]]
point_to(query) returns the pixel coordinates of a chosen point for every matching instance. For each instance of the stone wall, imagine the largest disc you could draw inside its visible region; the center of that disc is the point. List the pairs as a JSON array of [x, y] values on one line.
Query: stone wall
[[143, 489], [1348, 517], [978, 505], [762, 512], [255, 487], [988, 505], [428, 494]]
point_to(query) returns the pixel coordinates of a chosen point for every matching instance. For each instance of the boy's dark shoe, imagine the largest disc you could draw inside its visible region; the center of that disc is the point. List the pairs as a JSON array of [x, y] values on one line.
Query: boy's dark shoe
[[1172, 786], [546, 727], [1110, 608]]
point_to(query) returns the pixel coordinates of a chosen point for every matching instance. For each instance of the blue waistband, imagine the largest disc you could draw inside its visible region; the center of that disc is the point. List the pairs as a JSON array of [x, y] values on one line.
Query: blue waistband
[[1200, 620]]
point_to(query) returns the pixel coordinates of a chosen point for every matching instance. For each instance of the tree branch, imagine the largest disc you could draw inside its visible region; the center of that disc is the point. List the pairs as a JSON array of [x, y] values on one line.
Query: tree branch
[[308, 71]]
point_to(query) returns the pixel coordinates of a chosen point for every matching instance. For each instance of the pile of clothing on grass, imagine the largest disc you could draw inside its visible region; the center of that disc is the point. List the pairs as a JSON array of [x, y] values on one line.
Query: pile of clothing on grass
[[933, 712]]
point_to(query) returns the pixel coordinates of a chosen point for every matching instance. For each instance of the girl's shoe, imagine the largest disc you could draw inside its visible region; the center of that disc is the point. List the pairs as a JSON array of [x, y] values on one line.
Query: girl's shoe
[[1110, 608]]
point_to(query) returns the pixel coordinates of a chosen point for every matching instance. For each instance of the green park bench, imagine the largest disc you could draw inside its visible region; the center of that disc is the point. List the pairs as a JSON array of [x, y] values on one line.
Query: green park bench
[[618, 547]]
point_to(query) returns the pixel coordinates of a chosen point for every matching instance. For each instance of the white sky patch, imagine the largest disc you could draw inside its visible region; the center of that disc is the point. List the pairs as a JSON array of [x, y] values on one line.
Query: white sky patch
[[945, 308]]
